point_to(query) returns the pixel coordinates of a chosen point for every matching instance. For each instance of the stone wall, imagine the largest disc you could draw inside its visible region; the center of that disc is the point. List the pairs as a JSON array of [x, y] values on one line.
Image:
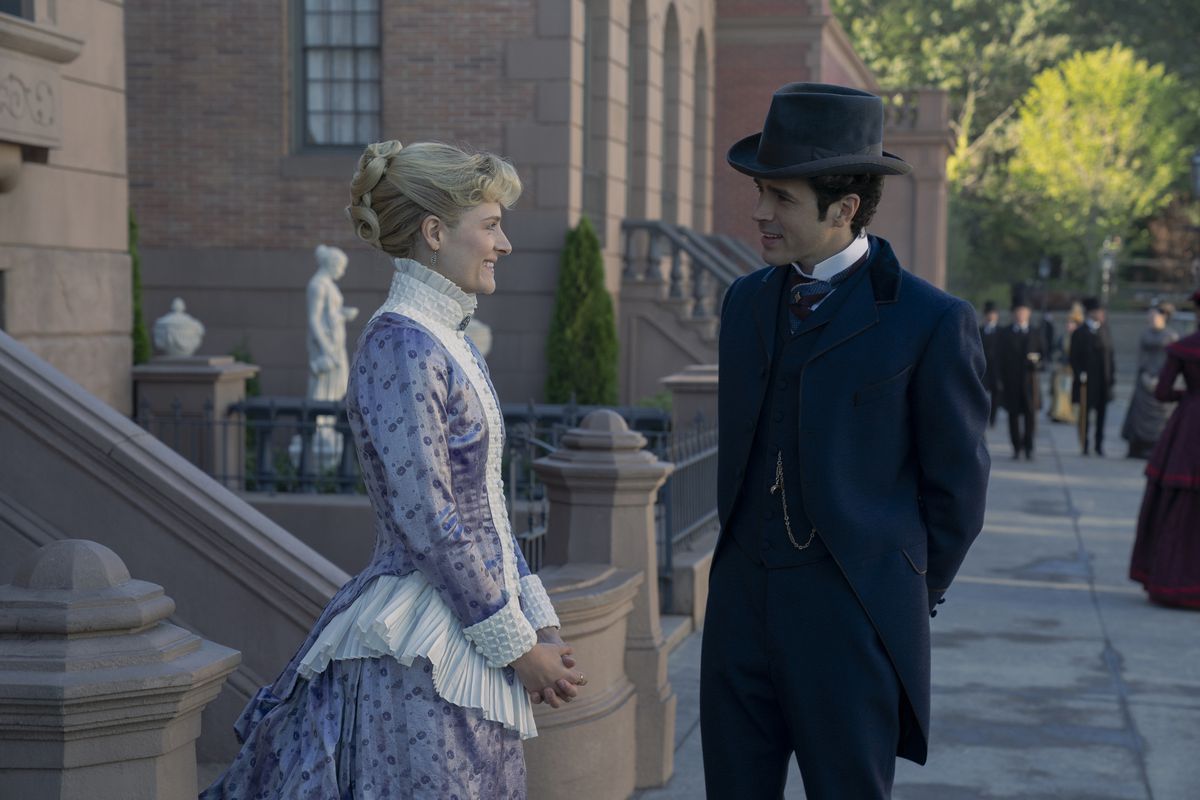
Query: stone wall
[[64, 264]]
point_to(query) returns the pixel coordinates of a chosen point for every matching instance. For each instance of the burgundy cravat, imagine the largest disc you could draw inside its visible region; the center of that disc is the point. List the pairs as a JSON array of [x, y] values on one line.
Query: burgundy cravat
[[804, 291]]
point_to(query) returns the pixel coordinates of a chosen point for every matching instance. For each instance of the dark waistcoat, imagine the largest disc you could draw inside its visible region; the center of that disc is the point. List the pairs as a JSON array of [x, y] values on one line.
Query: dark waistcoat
[[758, 525]]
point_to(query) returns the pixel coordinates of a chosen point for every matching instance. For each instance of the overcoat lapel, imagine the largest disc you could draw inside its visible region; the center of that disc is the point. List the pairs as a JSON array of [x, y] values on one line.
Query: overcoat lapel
[[766, 308], [857, 314]]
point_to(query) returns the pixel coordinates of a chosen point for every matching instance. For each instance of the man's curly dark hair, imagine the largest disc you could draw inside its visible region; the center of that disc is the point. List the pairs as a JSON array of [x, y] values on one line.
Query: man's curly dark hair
[[831, 188]]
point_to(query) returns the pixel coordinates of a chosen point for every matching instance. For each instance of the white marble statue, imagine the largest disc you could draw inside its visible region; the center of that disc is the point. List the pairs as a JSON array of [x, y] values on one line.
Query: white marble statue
[[481, 334], [328, 363], [177, 334]]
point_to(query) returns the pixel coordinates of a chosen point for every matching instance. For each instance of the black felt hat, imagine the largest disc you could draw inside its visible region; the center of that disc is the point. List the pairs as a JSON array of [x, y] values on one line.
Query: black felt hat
[[989, 306], [1091, 304], [818, 129]]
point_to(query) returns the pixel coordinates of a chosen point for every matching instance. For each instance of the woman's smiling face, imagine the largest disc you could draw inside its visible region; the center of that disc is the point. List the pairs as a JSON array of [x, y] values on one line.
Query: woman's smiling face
[[468, 252]]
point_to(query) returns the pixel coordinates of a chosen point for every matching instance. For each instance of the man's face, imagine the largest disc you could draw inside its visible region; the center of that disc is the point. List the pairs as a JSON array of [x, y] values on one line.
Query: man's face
[[991, 317], [787, 218], [1021, 315]]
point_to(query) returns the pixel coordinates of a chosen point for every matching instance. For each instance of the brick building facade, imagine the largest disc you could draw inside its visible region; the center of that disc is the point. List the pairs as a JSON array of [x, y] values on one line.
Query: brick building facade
[[620, 109]]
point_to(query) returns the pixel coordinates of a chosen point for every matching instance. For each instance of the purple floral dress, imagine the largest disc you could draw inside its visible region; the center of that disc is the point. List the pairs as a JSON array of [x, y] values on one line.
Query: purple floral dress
[[403, 688]]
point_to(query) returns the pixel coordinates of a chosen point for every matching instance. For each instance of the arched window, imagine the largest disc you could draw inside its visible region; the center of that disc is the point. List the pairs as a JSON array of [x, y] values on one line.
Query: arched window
[[670, 122], [701, 157], [635, 128], [339, 72]]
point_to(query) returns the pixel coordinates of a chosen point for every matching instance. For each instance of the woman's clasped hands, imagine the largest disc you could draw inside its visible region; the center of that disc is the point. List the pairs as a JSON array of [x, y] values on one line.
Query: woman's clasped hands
[[548, 671]]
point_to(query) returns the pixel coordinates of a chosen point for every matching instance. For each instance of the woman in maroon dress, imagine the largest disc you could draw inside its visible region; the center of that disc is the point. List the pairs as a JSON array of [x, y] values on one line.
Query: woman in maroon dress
[[1166, 554]]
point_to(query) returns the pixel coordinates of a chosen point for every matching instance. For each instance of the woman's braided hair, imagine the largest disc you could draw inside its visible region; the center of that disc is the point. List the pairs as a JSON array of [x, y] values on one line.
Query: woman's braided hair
[[395, 188]]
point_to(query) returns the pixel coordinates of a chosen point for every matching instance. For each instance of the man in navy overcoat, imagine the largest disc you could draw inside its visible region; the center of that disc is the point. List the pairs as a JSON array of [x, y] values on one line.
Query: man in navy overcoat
[[852, 470]]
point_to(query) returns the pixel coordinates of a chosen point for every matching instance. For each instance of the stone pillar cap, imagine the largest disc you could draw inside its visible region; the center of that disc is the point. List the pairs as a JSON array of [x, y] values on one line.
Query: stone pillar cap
[[603, 429], [77, 586]]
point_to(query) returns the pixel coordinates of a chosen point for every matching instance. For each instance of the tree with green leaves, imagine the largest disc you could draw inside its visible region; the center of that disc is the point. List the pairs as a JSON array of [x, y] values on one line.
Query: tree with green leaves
[[984, 53], [1099, 144], [582, 348]]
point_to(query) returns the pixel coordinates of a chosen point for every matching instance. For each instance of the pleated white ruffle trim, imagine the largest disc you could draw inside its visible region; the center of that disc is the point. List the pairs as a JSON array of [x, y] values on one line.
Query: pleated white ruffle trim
[[405, 618]]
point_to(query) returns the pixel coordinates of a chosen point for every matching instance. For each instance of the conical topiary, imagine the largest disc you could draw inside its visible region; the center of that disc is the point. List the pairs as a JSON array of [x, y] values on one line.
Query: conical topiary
[[582, 349], [141, 336]]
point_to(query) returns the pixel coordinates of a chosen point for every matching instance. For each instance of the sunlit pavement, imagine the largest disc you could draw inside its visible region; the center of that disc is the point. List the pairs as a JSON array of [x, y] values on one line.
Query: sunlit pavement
[[1053, 677]]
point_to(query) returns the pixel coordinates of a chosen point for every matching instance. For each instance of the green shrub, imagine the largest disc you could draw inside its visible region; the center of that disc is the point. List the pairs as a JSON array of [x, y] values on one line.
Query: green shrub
[[582, 348], [141, 336]]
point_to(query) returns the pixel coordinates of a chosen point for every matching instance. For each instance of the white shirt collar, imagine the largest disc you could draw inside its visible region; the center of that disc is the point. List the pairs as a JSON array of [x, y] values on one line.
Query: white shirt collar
[[824, 270]]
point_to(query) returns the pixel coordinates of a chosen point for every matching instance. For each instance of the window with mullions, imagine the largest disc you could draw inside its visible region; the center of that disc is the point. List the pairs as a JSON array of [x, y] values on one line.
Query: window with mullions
[[341, 72]]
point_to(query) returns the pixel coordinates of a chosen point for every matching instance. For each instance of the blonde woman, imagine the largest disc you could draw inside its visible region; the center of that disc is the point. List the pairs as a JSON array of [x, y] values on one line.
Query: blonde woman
[[1061, 409], [418, 678]]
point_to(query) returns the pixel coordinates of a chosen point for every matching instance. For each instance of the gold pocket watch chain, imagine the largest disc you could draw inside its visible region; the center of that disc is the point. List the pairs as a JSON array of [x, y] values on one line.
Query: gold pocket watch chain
[[787, 522]]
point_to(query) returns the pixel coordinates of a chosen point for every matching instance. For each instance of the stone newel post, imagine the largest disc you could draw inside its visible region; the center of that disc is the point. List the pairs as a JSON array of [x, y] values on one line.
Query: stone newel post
[[602, 487], [99, 696], [184, 401], [693, 396]]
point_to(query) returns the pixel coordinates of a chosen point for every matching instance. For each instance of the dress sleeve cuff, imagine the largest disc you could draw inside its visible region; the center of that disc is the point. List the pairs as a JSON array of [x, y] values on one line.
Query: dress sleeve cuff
[[504, 636], [538, 608]]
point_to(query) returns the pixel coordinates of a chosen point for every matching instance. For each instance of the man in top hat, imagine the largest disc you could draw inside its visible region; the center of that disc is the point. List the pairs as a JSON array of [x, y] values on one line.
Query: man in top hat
[[989, 333], [852, 470], [1095, 372], [1020, 352]]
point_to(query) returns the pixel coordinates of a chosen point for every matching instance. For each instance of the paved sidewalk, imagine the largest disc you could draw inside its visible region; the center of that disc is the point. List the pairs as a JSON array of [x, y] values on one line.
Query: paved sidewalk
[[1053, 677]]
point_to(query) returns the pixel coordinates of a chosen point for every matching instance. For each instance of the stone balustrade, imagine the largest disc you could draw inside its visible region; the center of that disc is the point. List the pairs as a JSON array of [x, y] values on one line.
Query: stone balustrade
[[602, 485], [99, 695]]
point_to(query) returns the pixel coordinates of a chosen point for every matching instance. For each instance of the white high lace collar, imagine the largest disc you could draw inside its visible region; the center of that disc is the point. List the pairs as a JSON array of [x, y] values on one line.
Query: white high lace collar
[[433, 296]]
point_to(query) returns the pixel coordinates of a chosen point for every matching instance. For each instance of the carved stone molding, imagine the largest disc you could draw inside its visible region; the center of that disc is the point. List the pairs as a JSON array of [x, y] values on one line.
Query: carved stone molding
[[30, 94], [30, 84]]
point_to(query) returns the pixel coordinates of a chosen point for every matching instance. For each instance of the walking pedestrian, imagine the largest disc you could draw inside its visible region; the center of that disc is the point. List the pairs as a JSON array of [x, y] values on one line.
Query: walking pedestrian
[[1166, 553], [1095, 372], [1147, 416], [1020, 351], [989, 334], [1060, 384]]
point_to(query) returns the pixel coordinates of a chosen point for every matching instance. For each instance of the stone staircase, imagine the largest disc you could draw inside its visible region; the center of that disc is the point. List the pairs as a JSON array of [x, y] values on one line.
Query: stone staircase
[[672, 284], [72, 467]]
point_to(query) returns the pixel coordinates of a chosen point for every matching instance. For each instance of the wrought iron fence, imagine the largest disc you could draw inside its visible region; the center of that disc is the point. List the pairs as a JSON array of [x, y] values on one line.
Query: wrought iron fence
[[294, 445], [687, 502], [263, 444]]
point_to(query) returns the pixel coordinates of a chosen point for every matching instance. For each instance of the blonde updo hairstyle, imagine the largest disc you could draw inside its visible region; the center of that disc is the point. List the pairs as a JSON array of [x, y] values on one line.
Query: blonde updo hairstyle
[[396, 188]]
